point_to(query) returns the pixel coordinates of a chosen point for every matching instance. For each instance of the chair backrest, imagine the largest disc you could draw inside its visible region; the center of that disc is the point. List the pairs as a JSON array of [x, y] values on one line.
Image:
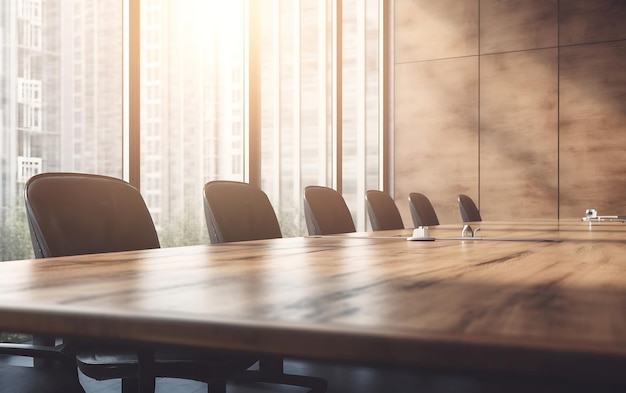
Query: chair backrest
[[469, 211], [75, 213], [422, 210], [237, 211], [326, 212], [382, 211]]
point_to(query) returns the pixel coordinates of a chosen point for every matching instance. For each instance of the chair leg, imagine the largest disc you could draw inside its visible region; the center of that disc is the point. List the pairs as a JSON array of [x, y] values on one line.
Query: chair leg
[[45, 341], [314, 384], [135, 385], [130, 385], [147, 385], [216, 386], [271, 370], [146, 371], [271, 367]]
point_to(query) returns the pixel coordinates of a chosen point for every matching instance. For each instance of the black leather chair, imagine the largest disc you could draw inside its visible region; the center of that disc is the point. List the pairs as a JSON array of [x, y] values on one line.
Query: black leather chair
[[326, 212], [72, 214], [422, 211], [382, 211], [468, 209], [237, 211], [60, 377]]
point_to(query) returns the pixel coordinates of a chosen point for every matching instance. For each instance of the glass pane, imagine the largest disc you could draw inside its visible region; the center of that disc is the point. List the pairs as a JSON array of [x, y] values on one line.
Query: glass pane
[[297, 57], [361, 170], [61, 107], [296, 105], [191, 109]]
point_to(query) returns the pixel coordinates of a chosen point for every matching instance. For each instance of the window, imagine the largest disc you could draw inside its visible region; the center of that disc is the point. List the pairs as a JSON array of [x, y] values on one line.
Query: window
[[28, 91], [318, 106], [299, 103], [197, 47], [63, 108], [29, 10], [360, 99], [29, 23], [27, 167]]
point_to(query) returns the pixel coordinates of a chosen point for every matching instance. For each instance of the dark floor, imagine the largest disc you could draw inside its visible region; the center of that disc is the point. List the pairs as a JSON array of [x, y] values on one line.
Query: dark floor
[[349, 379], [341, 379]]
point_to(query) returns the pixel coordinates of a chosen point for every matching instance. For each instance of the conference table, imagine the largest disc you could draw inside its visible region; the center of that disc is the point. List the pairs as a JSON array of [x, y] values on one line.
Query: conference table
[[538, 297]]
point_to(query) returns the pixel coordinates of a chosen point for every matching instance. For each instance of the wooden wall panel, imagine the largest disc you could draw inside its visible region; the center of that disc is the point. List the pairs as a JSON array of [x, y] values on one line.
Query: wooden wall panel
[[427, 29], [593, 128], [528, 78], [585, 21], [511, 25], [436, 134], [519, 135]]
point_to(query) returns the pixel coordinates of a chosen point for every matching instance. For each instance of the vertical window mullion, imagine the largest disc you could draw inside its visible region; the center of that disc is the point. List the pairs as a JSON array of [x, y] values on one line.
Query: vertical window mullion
[[384, 97], [361, 112], [133, 103], [337, 96], [297, 99], [277, 102], [324, 11], [125, 91], [252, 65]]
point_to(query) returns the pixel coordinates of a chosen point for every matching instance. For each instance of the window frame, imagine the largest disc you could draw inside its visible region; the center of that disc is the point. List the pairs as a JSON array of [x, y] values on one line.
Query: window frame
[[252, 90]]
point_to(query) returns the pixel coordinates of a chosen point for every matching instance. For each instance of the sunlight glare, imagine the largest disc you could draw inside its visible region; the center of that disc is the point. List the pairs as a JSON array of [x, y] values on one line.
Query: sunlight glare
[[222, 19]]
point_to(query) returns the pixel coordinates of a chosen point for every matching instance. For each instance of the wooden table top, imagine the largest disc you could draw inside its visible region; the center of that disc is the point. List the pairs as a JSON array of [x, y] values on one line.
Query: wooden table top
[[544, 307]]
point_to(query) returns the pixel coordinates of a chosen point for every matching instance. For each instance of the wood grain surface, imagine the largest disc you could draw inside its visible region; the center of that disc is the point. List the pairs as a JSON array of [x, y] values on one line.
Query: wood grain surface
[[553, 308]]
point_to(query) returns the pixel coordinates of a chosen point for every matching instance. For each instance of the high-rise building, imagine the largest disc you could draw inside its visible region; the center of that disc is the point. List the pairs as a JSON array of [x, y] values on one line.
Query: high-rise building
[[191, 106], [61, 87], [29, 122]]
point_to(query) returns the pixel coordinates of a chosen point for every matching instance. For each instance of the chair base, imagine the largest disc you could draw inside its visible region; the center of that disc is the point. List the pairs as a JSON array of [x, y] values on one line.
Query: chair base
[[139, 375], [271, 371]]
